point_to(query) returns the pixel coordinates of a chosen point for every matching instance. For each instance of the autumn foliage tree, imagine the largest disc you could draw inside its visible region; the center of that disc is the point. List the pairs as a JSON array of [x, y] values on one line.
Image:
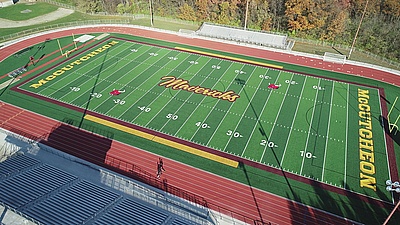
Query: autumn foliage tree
[[328, 20]]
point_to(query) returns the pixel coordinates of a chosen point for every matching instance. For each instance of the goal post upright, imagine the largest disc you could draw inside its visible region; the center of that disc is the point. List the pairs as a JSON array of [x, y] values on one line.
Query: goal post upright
[[59, 45], [73, 40]]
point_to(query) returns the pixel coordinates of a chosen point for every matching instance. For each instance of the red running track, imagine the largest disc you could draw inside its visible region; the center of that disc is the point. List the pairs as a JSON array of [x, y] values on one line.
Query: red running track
[[222, 194], [225, 47], [218, 191]]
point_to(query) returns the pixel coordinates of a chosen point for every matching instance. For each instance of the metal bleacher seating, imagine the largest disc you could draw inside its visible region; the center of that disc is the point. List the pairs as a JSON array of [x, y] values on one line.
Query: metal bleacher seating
[[75, 205], [47, 194], [16, 164], [32, 184], [245, 36], [132, 212]]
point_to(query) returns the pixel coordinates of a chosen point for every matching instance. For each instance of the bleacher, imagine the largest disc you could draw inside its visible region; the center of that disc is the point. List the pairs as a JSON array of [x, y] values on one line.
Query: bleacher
[[75, 205], [28, 186], [245, 36], [16, 164], [52, 194], [132, 212]]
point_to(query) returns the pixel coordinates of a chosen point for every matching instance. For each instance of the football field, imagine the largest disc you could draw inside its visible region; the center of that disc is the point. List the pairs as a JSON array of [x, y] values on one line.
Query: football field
[[306, 125]]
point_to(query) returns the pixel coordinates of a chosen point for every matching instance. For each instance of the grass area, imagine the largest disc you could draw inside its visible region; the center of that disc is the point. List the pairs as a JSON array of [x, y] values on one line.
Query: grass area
[[16, 12], [355, 55], [74, 17]]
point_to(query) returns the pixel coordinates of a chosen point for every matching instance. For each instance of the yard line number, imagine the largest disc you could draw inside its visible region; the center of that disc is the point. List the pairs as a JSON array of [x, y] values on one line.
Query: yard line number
[[290, 82], [171, 116], [144, 108], [268, 144], [96, 95], [75, 89], [119, 101], [202, 125], [308, 155], [264, 77], [234, 134]]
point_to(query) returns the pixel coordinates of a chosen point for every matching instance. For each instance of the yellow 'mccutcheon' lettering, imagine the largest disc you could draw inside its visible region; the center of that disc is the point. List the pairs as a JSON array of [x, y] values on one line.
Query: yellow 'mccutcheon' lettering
[[366, 144], [72, 64]]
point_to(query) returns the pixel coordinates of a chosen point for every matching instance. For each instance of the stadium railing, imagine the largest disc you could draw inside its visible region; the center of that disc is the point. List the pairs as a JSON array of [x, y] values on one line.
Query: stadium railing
[[28, 218], [58, 26]]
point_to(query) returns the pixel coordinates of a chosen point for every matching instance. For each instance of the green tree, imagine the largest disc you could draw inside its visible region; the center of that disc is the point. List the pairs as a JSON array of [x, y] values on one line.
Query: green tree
[[92, 6], [259, 17]]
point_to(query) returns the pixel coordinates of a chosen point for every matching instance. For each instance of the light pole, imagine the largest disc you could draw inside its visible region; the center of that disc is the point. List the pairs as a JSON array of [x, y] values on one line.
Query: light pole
[[358, 29], [392, 187], [151, 12], [245, 17]]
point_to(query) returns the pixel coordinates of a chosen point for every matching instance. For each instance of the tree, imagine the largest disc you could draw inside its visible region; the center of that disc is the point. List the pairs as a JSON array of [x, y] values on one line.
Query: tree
[[202, 10], [187, 13], [391, 9], [223, 15], [92, 6], [259, 17], [297, 13], [336, 26]]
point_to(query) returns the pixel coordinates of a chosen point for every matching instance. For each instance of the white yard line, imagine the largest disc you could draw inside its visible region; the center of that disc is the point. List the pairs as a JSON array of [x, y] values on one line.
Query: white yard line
[[173, 97], [327, 132], [148, 90], [190, 95], [244, 112], [276, 118], [347, 127], [205, 97], [262, 111], [128, 94], [309, 128], [61, 78], [294, 118], [212, 111], [105, 79]]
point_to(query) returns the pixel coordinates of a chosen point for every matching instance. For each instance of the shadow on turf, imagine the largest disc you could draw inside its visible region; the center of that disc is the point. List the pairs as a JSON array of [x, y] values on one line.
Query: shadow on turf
[[262, 131], [395, 134], [350, 206]]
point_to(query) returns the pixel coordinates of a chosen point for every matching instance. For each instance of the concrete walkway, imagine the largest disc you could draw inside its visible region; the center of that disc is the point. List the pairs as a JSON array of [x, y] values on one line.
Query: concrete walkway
[[59, 13]]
